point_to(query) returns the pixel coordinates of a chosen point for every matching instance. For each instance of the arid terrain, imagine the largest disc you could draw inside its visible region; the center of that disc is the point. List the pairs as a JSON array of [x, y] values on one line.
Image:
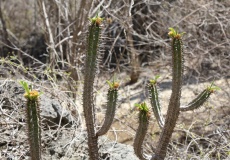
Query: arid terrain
[[43, 43]]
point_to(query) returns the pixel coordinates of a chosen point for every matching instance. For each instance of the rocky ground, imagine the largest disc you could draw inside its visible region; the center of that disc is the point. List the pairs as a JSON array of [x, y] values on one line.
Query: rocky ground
[[201, 134]]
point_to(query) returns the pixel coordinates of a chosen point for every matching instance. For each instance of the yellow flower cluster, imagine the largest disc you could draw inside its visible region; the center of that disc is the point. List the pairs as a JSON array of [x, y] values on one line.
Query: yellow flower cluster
[[32, 94], [96, 20]]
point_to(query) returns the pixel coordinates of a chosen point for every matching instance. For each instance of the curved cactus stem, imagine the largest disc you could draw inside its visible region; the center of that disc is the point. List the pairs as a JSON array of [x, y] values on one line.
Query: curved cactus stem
[[154, 100], [144, 116], [174, 102], [200, 99], [111, 107], [90, 72], [33, 121]]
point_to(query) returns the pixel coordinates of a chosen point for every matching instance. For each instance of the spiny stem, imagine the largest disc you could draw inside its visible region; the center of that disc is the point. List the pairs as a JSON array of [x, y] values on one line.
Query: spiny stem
[[90, 72], [110, 109], [200, 99], [33, 121], [154, 100], [174, 103], [144, 116]]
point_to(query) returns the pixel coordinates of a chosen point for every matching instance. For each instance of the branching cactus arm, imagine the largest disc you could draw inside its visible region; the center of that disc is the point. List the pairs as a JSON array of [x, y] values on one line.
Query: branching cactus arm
[[200, 99], [33, 121], [144, 116], [111, 107], [154, 100]]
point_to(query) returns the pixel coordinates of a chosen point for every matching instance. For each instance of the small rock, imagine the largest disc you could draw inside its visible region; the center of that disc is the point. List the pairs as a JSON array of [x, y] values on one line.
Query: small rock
[[53, 112]]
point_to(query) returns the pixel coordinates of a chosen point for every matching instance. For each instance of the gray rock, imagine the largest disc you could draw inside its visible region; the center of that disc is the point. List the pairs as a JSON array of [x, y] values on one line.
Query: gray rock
[[118, 151], [53, 112], [78, 149]]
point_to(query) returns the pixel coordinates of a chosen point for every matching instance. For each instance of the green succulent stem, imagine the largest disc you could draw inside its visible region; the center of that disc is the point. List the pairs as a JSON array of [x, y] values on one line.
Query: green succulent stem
[[111, 107], [174, 102], [33, 121], [90, 72], [144, 116], [200, 99], [154, 100]]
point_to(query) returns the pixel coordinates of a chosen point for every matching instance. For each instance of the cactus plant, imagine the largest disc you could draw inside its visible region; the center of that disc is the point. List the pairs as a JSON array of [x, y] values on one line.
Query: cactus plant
[[88, 104], [167, 125], [33, 121], [174, 107], [144, 115]]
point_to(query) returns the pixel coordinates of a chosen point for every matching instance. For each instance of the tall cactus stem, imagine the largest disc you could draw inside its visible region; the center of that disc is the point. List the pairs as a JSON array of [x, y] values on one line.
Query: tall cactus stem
[[144, 116], [111, 107], [174, 102], [154, 100], [33, 121], [90, 72]]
